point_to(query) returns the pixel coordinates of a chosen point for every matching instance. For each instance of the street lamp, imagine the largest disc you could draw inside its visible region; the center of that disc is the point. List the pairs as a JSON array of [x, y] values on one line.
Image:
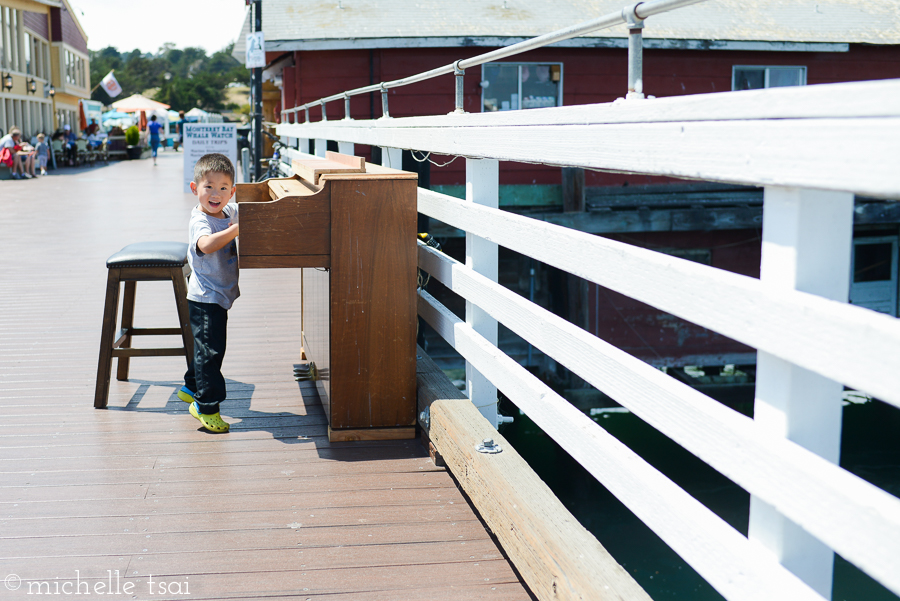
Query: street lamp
[[32, 86], [7, 81]]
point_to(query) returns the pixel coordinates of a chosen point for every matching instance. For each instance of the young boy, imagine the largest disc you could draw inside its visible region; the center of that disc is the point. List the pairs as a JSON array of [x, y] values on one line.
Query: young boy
[[213, 286], [42, 151]]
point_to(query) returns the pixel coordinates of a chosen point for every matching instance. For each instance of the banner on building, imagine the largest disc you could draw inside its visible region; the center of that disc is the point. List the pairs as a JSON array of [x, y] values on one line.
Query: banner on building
[[110, 85]]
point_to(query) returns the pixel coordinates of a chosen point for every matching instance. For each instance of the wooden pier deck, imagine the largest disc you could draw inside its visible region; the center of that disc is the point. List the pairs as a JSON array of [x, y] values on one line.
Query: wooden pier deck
[[136, 502]]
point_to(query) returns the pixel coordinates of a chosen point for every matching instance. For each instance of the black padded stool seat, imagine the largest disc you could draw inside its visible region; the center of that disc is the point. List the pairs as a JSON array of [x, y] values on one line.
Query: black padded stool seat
[[150, 254], [140, 262]]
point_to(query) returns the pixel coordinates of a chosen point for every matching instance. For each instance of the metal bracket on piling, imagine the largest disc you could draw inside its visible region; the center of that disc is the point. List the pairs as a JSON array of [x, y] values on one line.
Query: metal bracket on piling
[[460, 81], [384, 102], [635, 52], [488, 446], [346, 106]]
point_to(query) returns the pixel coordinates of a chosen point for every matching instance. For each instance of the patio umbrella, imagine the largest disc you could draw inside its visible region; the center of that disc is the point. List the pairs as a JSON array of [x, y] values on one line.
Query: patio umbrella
[[82, 120], [136, 102], [143, 120]]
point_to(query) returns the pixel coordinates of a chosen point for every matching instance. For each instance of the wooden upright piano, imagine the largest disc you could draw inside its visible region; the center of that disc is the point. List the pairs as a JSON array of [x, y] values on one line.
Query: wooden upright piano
[[351, 227]]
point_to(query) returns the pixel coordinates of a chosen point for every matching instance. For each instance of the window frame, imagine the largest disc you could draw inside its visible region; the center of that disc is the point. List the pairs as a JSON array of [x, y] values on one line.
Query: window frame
[[519, 65], [766, 69]]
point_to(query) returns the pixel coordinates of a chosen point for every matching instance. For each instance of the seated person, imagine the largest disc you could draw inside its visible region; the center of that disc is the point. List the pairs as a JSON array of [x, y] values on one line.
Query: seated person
[[69, 142], [21, 157]]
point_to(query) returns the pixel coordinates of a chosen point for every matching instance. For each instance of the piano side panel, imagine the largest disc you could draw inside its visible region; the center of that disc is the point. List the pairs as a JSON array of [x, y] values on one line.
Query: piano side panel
[[316, 334], [373, 302]]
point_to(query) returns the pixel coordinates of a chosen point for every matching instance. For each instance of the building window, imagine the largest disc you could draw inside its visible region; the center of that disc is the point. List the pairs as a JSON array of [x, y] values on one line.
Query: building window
[[29, 64], [3, 37], [755, 78], [511, 86], [37, 56], [874, 282]]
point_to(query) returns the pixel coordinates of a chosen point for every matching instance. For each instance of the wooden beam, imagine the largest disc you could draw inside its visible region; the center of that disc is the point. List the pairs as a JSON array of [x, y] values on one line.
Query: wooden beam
[[573, 190], [556, 556]]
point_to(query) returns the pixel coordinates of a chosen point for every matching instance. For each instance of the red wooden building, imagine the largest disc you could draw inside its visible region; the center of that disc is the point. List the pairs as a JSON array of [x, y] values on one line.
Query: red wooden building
[[316, 49]]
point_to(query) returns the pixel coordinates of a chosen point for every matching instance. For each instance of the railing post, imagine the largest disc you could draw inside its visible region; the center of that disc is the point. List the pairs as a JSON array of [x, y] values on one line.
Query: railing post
[[347, 107], [346, 147], [807, 241], [245, 164], [384, 102], [635, 53], [482, 187], [321, 147], [460, 88], [391, 157]]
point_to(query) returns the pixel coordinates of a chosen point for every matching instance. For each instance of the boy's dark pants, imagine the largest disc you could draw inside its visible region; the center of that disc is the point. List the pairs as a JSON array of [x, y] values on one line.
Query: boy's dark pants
[[204, 375]]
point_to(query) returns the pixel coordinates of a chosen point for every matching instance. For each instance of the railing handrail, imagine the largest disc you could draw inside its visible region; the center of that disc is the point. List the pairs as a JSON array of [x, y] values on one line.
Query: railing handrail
[[748, 138], [642, 10]]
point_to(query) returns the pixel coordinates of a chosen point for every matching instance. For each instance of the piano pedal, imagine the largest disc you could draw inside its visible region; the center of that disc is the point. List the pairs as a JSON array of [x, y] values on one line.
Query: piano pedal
[[306, 375]]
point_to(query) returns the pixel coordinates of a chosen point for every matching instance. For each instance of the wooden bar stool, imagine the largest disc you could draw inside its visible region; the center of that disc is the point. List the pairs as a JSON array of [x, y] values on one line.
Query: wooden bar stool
[[141, 262]]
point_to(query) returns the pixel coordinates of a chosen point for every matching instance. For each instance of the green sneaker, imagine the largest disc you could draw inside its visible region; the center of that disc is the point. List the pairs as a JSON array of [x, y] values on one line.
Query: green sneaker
[[186, 395], [212, 422]]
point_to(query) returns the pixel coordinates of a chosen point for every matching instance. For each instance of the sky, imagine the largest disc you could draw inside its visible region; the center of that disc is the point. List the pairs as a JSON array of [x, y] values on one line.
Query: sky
[[130, 24]]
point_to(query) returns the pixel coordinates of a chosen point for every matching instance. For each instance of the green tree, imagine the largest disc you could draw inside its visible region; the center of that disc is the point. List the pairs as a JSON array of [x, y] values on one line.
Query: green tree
[[185, 77]]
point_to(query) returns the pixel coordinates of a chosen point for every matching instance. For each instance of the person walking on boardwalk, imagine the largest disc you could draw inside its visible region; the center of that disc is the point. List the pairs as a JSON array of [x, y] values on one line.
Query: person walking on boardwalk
[[213, 286], [154, 128]]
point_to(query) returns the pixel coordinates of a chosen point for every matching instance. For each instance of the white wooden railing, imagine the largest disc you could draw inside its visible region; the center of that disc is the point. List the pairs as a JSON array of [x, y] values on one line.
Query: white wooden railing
[[812, 148]]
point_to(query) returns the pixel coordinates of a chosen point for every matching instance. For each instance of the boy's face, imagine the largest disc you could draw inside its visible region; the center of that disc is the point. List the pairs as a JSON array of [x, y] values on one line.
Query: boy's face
[[214, 191]]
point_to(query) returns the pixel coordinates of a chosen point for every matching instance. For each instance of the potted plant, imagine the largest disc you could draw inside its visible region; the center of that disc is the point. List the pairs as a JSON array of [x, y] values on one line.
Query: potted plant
[[132, 139]]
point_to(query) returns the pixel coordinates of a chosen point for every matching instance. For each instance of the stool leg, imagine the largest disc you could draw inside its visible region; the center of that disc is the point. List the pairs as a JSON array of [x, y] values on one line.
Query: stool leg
[[104, 365], [127, 327], [184, 319]]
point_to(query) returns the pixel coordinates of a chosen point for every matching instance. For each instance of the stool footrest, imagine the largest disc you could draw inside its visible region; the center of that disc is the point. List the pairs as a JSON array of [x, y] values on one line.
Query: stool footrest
[[125, 332], [148, 352], [156, 331]]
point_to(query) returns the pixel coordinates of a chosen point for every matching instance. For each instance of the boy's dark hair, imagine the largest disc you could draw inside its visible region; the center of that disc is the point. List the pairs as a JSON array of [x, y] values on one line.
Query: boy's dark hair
[[215, 162], [153, 117]]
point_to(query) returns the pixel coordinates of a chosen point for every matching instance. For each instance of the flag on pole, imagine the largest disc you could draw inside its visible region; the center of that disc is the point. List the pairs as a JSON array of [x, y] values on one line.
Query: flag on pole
[[110, 85]]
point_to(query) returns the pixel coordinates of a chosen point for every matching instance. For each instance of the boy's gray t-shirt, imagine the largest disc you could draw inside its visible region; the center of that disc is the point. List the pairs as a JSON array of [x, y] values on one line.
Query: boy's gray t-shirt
[[214, 276]]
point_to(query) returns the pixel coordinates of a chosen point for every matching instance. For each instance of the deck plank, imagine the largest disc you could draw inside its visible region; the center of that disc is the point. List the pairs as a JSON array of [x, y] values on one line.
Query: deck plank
[[271, 510]]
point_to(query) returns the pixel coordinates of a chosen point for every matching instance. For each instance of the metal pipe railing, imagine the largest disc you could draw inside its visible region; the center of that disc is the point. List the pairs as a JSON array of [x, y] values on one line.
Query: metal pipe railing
[[640, 11]]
